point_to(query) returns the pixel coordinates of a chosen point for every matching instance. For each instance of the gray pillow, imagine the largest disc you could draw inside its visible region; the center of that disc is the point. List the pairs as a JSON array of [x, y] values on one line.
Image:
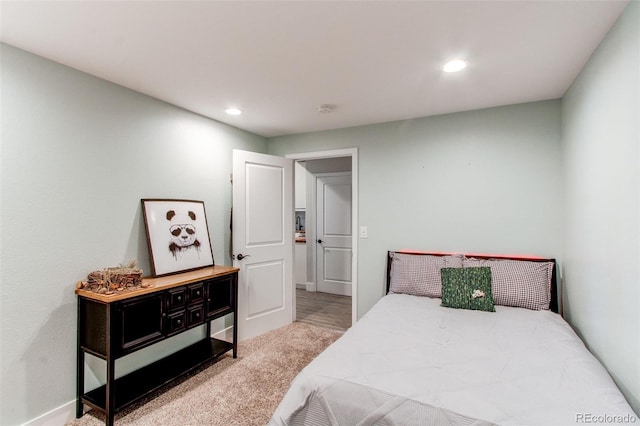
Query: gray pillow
[[419, 274], [519, 283]]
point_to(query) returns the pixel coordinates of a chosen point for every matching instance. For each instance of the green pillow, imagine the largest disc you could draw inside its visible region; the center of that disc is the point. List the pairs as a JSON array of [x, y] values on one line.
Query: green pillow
[[467, 288]]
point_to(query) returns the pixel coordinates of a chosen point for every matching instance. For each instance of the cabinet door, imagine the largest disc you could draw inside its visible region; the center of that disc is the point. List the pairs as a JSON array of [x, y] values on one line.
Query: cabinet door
[[92, 326], [139, 322], [219, 292]]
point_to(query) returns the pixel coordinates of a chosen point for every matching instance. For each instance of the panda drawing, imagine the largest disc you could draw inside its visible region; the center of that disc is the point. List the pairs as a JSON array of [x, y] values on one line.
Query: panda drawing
[[183, 233]]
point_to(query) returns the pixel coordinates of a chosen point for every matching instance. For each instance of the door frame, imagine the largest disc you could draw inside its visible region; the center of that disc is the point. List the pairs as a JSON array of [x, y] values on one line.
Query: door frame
[[334, 153]]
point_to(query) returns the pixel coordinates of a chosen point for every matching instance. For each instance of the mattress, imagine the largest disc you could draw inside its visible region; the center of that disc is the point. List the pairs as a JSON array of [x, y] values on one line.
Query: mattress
[[411, 361]]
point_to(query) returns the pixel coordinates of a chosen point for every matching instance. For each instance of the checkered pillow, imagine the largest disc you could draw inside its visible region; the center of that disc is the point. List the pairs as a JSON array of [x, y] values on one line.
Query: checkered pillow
[[518, 283], [419, 274]]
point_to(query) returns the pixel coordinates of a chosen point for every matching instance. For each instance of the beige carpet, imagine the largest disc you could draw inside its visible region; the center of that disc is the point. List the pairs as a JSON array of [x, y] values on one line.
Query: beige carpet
[[242, 391]]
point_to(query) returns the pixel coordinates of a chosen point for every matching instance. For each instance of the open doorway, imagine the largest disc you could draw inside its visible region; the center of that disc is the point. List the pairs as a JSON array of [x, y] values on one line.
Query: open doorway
[[325, 254]]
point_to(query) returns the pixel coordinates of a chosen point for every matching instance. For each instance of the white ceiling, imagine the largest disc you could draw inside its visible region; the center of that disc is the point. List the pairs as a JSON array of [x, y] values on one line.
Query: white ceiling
[[377, 61]]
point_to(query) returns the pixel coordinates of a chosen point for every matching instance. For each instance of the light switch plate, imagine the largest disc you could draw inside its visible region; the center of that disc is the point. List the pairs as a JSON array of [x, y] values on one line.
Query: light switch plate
[[364, 232]]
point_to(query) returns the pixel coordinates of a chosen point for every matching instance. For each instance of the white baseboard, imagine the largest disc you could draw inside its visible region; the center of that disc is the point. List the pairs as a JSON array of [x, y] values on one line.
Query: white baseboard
[[336, 288], [67, 412], [56, 417]]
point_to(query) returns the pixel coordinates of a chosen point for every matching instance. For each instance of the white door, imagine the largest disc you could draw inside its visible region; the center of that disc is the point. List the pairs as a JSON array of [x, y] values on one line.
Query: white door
[[262, 238], [333, 233]]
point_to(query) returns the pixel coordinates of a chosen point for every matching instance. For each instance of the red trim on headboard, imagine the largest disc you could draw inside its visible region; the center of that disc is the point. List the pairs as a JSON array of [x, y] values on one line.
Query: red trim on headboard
[[480, 255], [554, 275]]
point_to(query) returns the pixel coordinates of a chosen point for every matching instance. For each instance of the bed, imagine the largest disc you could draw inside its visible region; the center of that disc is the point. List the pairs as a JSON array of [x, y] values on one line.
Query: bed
[[511, 360]]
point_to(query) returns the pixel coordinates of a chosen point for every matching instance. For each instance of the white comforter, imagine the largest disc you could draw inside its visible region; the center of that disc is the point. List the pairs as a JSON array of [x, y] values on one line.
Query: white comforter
[[514, 366]]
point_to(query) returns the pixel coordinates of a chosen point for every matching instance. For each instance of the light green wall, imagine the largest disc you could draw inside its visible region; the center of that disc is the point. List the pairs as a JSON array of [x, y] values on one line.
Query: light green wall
[[601, 134], [77, 155], [480, 181]]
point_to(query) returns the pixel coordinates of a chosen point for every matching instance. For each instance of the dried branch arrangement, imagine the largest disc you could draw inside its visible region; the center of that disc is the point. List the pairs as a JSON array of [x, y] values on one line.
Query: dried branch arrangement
[[113, 280]]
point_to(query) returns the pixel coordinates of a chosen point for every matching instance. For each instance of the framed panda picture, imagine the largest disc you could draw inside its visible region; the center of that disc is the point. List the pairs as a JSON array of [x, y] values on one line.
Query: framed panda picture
[[177, 235]]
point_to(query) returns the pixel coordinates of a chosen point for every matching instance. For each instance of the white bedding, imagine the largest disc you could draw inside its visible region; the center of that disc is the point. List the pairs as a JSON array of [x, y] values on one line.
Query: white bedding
[[514, 366]]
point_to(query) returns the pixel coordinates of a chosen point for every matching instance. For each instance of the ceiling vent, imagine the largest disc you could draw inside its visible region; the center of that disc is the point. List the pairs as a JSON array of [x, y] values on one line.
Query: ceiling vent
[[326, 108]]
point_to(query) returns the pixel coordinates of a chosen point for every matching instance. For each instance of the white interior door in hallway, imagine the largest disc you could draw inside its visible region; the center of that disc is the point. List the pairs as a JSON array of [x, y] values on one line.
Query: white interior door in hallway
[[333, 233], [263, 241]]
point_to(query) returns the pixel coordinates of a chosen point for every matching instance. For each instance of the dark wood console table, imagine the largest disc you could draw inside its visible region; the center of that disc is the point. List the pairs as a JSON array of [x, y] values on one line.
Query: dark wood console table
[[112, 326]]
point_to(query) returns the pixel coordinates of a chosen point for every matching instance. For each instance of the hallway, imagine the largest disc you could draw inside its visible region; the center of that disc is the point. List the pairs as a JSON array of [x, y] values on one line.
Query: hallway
[[323, 309]]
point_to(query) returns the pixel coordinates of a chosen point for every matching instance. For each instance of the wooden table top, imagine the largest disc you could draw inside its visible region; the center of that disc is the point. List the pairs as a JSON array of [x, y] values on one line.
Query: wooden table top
[[153, 284]]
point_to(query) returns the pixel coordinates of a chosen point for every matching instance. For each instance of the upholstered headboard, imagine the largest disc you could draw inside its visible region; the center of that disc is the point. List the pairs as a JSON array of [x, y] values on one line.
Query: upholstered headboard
[[553, 302]]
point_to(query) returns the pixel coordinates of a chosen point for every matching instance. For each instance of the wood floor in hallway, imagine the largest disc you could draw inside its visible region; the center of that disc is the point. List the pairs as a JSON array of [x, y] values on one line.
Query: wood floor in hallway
[[323, 309]]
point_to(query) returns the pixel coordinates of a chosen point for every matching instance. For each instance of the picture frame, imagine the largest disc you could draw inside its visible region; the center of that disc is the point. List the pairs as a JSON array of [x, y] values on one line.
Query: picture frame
[[177, 235]]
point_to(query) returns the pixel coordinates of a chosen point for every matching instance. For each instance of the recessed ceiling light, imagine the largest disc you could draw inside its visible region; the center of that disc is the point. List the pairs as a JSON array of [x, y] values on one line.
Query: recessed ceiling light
[[455, 65], [233, 111]]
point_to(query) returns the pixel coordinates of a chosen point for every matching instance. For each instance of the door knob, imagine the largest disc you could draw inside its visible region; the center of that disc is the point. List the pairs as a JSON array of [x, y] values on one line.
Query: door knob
[[241, 256], [320, 241]]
